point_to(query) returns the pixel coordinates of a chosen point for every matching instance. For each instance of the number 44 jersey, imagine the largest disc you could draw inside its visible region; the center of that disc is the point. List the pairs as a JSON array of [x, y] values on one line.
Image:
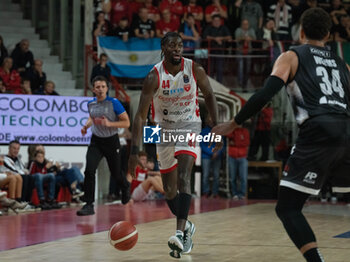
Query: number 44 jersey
[[320, 85]]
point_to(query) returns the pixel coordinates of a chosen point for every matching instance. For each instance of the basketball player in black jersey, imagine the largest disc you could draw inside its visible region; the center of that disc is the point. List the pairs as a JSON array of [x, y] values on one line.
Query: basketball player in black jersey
[[317, 82]]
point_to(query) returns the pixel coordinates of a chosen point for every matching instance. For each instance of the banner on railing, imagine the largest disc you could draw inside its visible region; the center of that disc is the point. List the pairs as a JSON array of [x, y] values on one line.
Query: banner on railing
[[133, 59], [37, 119]]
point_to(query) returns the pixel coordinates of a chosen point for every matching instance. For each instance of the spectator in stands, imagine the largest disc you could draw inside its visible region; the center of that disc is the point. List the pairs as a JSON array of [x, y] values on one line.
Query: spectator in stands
[[295, 31], [166, 24], [39, 170], [175, 7], [301, 8], [101, 69], [238, 164], [64, 177], [153, 11], [210, 162], [144, 27], [336, 10], [281, 13], [11, 180], [49, 89], [25, 87], [122, 30], [146, 181], [342, 31], [22, 57], [252, 11], [10, 77], [133, 10], [2, 87], [244, 36], [216, 8], [13, 162], [116, 10], [101, 27], [189, 33], [3, 50], [234, 15], [268, 34], [262, 134], [217, 35], [36, 76], [196, 11]]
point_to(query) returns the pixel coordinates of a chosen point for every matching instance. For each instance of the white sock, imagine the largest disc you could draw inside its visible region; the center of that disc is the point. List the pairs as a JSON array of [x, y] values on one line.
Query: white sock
[[179, 232]]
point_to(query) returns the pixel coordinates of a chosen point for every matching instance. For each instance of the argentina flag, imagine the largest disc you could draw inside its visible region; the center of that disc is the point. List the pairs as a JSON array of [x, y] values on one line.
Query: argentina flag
[[133, 59]]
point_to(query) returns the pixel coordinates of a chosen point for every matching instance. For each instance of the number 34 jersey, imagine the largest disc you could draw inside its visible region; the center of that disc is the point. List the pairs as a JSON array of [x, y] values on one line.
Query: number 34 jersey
[[320, 85]]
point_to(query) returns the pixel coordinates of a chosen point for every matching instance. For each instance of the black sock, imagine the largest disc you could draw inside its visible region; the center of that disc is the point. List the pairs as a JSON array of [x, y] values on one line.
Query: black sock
[[313, 255], [18, 199], [184, 205], [173, 204]]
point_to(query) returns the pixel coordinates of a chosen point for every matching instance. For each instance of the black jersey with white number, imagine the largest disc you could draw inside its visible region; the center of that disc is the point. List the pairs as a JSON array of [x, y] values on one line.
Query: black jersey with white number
[[321, 84]]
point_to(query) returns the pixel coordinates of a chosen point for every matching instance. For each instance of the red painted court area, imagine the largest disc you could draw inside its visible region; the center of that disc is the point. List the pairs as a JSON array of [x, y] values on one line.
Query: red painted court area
[[39, 227]]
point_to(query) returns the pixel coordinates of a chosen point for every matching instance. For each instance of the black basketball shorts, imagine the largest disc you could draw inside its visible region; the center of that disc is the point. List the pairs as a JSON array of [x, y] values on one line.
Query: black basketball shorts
[[313, 161]]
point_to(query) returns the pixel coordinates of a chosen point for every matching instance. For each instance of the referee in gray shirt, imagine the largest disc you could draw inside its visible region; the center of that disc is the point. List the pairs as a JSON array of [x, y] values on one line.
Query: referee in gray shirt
[[106, 116]]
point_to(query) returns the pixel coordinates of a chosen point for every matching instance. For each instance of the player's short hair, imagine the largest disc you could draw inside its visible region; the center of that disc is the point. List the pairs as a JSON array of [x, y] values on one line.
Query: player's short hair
[[169, 35], [142, 153], [316, 23], [166, 38], [99, 78]]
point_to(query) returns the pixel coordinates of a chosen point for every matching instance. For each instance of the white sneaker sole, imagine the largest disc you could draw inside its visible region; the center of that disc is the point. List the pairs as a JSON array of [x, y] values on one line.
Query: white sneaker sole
[[176, 247]]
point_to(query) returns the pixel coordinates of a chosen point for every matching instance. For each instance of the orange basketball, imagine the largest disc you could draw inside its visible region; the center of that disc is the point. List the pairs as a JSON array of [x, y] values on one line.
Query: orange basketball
[[123, 235]]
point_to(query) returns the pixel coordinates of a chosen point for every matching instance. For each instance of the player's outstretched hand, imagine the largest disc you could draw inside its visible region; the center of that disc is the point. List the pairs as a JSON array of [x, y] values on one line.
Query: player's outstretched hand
[[224, 128], [133, 162]]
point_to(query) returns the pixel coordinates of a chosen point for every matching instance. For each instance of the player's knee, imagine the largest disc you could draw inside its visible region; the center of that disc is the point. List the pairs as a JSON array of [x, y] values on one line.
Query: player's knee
[[287, 212], [170, 191], [279, 210], [184, 180]]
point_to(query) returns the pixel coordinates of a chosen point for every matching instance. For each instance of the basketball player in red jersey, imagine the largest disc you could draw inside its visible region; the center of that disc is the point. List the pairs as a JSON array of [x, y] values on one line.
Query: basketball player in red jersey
[[172, 89]]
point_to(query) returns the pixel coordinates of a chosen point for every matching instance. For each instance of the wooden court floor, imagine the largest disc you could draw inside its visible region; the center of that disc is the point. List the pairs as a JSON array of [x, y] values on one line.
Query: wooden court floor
[[246, 233]]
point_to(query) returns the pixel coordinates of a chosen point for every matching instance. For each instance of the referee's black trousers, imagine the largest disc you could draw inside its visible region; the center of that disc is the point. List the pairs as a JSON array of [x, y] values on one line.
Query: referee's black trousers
[[102, 147]]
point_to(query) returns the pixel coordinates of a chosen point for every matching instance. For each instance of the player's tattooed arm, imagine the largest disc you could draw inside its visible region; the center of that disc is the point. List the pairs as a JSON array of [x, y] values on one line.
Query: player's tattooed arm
[[149, 87]]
